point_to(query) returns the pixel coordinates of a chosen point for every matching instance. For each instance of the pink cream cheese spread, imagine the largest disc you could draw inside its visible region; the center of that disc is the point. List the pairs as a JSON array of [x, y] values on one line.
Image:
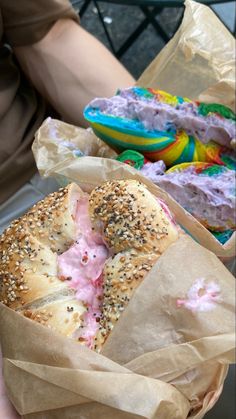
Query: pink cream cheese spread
[[82, 265]]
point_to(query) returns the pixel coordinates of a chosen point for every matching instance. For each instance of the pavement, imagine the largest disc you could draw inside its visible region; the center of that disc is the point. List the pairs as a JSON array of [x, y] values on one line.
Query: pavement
[[121, 21]]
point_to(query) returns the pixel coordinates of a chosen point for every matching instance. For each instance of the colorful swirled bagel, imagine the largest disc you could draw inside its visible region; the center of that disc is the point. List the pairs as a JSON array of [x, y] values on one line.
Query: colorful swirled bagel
[[205, 190], [163, 127]]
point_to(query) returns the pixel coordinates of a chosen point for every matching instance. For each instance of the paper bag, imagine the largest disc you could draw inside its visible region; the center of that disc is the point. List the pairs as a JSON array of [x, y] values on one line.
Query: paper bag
[[163, 359], [53, 160], [198, 62]]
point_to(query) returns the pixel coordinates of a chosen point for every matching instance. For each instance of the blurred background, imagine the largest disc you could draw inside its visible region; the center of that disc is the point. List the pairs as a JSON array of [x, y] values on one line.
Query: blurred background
[[121, 20]]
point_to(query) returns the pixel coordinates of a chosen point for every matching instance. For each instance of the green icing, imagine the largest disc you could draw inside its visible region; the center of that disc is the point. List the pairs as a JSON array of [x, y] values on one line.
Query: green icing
[[213, 170], [206, 108], [131, 157], [229, 161]]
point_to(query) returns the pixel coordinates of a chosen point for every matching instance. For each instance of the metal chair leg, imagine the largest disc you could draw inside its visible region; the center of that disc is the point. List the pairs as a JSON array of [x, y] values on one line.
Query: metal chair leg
[[142, 26], [104, 27], [127, 44], [150, 15], [150, 18], [84, 7]]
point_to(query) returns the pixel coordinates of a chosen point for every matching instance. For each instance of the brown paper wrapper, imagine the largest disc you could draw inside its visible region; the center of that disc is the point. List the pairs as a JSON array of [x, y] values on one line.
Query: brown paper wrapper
[[160, 361], [198, 62], [61, 143]]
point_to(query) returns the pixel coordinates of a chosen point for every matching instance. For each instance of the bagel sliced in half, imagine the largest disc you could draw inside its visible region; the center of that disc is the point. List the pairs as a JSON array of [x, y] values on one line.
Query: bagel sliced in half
[[73, 262]]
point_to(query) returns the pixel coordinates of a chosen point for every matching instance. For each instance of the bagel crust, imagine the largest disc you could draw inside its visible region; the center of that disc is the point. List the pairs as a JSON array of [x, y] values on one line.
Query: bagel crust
[[28, 267], [124, 218], [131, 217]]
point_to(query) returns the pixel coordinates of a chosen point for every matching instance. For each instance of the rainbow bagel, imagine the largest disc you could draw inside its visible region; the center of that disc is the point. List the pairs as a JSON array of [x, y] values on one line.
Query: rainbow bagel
[[205, 190], [211, 170], [173, 146], [203, 168]]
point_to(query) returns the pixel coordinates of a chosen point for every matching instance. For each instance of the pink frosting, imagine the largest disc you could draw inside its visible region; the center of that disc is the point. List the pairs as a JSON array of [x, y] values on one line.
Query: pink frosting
[[82, 265]]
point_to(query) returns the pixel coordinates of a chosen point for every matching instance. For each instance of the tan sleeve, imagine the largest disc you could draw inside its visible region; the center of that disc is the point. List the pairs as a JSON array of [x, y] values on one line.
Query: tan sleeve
[[28, 21]]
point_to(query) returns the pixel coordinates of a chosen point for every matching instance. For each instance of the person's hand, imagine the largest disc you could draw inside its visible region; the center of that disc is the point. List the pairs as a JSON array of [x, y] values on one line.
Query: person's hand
[[7, 411]]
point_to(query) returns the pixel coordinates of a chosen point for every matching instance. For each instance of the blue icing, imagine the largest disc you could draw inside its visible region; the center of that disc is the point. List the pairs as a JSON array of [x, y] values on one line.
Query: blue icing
[[126, 126], [95, 116], [140, 91], [170, 128], [222, 237], [180, 99]]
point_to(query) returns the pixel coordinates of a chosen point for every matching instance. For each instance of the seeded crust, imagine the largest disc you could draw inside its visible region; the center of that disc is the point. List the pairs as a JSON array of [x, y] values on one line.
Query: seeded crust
[[121, 276], [63, 314], [130, 217], [135, 228], [28, 261], [138, 229]]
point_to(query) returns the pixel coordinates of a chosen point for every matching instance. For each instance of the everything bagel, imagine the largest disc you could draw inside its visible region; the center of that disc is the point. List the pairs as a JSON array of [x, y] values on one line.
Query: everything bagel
[[73, 262]]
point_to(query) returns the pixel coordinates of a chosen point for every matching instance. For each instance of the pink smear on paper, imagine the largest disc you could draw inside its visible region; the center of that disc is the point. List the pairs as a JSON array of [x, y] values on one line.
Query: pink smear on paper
[[201, 296]]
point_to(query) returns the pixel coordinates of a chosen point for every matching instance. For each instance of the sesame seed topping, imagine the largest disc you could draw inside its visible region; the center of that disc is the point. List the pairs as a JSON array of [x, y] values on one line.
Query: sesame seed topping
[[19, 250]]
